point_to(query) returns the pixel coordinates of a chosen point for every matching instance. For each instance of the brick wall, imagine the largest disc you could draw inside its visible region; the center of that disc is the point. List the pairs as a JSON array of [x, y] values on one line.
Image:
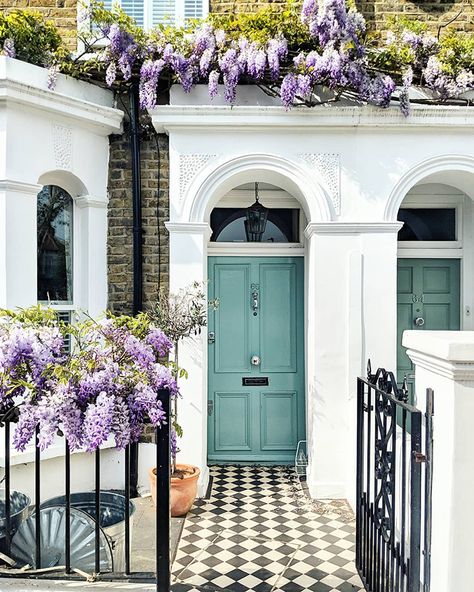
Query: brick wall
[[435, 12], [155, 205], [62, 12]]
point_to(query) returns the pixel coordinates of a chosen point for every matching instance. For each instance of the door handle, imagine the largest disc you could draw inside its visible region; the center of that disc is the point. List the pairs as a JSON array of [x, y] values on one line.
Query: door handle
[[211, 337], [255, 360], [419, 321]]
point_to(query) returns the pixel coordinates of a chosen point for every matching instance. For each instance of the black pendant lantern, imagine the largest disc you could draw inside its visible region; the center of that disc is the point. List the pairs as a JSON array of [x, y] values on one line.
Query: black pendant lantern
[[256, 220]]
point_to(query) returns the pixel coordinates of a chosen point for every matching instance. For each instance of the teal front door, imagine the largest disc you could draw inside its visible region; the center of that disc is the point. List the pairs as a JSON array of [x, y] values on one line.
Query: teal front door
[[256, 359], [428, 297]]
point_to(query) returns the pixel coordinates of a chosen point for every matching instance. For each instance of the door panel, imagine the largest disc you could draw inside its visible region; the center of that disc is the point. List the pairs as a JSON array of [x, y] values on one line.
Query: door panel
[[232, 421], [279, 421], [278, 318], [437, 316], [428, 289], [437, 280], [232, 290], [261, 422]]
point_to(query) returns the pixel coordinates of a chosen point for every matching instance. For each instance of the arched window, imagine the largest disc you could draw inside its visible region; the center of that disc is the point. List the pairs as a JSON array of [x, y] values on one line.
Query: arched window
[[54, 234]]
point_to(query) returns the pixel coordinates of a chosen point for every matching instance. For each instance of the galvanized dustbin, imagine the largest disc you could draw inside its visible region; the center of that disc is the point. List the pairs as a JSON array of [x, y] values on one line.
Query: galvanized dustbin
[[112, 518], [19, 503]]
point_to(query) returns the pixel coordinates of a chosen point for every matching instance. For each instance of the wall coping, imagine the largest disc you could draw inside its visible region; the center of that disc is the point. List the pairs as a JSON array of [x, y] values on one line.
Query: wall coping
[[452, 346], [191, 117], [25, 84]]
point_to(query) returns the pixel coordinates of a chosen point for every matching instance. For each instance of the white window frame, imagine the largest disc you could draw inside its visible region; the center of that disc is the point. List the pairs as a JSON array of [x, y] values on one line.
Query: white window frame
[[58, 305], [414, 202], [147, 16]]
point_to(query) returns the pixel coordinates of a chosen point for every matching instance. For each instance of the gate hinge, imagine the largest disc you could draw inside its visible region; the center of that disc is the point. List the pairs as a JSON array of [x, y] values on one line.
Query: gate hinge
[[210, 407], [420, 457]]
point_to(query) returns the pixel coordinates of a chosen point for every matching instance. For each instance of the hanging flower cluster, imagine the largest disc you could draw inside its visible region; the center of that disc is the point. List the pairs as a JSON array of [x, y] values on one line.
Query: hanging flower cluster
[[446, 68], [106, 387], [337, 58]]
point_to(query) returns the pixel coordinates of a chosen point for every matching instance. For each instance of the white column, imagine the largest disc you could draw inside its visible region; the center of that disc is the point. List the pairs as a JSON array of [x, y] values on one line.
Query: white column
[[351, 315], [329, 317], [444, 361], [90, 252], [18, 246], [188, 263]]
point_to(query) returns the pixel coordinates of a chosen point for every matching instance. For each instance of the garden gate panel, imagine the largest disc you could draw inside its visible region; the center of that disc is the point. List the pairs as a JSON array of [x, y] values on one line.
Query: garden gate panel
[[394, 477], [72, 521]]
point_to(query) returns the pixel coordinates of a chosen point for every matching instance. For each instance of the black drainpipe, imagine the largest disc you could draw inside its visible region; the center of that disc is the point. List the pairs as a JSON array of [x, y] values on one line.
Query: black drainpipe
[[137, 244]]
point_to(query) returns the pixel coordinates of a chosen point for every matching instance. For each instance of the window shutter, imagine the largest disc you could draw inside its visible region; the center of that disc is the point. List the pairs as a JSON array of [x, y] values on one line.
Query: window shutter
[[135, 9], [193, 9], [164, 11]]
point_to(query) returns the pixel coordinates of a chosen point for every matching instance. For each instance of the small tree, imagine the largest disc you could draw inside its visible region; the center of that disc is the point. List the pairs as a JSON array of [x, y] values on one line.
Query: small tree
[[180, 315]]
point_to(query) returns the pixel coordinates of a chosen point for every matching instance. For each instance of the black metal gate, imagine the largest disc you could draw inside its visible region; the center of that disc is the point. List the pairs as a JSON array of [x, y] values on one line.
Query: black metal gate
[[394, 475], [42, 566]]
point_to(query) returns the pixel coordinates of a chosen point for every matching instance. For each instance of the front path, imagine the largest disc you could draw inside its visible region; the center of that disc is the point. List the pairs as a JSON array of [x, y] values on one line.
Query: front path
[[259, 531]]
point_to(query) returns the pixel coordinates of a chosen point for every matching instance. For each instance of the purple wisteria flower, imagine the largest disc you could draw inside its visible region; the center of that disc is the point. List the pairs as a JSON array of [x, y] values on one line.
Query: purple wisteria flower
[[98, 421], [289, 88], [159, 342], [404, 98], [53, 72], [9, 48], [213, 84], [107, 387]]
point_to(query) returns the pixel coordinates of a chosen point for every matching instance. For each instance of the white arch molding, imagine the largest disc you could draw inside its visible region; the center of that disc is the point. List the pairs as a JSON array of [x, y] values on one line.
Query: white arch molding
[[213, 182], [456, 170]]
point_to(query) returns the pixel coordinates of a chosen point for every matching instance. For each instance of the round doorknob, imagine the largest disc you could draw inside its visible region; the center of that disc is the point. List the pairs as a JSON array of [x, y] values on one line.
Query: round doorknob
[[255, 360], [419, 322]]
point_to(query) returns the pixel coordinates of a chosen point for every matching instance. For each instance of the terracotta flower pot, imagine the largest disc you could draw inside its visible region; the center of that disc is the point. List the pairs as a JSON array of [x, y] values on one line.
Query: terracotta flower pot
[[183, 491]]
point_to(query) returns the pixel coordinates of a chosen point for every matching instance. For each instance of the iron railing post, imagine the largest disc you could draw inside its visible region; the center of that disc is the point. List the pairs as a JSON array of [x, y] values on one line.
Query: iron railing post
[[163, 474], [428, 489], [415, 503]]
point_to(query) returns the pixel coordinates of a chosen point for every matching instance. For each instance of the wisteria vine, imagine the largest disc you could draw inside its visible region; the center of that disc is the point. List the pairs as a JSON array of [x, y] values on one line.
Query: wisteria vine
[[107, 387], [338, 59], [336, 54]]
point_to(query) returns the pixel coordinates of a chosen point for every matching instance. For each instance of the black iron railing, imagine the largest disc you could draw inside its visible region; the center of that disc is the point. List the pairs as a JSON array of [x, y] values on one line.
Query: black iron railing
[[43, 567], [393, 519]]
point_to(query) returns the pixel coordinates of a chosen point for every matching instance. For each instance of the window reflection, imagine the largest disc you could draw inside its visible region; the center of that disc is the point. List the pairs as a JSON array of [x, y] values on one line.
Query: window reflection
[[54, 228], [427, 224], [228, 225]]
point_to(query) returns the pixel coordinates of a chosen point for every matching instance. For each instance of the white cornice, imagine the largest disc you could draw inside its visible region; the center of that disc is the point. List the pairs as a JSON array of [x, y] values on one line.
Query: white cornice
[[458, 371], [24, 84], [188, 227], [351, 228], [19, 186], [196, 117]]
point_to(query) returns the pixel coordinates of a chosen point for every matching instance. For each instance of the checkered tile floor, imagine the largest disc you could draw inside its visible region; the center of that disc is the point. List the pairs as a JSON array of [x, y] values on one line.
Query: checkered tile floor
[[260, 532]]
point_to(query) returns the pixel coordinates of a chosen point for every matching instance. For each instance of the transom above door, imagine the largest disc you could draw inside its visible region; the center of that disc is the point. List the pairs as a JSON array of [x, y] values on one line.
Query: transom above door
[[256, 359]]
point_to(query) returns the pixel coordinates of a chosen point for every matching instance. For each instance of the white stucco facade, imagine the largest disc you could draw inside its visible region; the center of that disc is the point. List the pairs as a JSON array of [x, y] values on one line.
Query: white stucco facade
[[53, 137], [350, 168]]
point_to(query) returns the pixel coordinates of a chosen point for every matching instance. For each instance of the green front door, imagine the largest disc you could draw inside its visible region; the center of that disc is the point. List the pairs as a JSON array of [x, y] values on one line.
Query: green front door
[[256, 406], [427, 300]]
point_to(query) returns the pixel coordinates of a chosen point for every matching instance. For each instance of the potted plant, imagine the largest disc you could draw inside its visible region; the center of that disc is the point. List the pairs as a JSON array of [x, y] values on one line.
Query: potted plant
[[180, 315]]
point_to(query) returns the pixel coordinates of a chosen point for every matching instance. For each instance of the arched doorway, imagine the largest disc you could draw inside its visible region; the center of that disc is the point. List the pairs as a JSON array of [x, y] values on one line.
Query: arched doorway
[[433, 292], [256, 378]]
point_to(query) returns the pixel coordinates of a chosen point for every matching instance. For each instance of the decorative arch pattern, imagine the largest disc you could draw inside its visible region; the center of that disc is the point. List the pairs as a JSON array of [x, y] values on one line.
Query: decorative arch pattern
[[452, 169], [213, 182]]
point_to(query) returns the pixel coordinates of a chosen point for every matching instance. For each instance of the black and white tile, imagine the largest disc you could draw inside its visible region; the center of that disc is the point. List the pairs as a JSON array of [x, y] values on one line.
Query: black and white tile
[[260, 532]]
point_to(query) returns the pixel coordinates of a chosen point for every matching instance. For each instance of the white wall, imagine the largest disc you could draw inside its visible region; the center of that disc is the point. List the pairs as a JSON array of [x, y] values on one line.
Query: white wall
[[350, 168], [54, 137]]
